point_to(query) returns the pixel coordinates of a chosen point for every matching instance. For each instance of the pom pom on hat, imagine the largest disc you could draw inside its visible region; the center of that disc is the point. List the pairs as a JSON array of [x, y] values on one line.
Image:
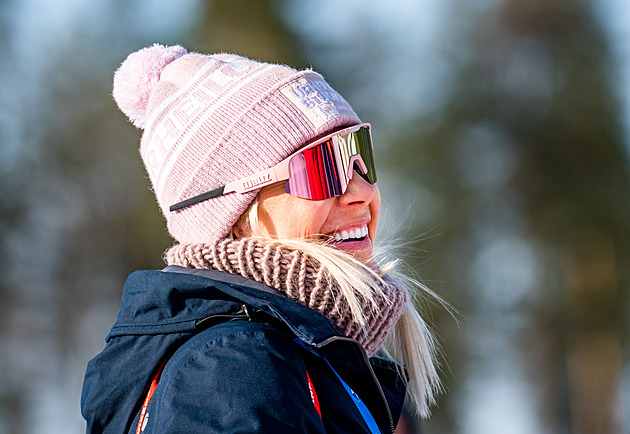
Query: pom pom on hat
[[136, 77]]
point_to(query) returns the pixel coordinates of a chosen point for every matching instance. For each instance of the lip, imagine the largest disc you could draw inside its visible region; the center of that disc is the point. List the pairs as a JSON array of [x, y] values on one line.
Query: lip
[[360, 248], [354, 244]]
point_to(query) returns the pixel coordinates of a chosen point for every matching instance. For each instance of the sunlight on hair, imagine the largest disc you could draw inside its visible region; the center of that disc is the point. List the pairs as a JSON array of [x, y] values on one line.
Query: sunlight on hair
[[412, 343]]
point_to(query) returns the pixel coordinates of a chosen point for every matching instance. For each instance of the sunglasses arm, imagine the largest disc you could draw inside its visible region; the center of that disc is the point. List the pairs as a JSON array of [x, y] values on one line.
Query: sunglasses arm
[[259, 180], [254, 182]]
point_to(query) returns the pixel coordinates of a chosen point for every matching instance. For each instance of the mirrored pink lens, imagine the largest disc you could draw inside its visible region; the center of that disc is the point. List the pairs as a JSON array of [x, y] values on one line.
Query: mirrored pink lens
[[321, 172]]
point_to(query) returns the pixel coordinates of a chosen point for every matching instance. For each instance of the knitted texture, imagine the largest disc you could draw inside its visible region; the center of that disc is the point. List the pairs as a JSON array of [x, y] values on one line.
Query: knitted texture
[[210, 120], [301, 278]]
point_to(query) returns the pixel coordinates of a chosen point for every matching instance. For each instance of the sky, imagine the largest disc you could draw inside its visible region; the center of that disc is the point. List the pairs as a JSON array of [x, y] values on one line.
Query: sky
[[616, 16]]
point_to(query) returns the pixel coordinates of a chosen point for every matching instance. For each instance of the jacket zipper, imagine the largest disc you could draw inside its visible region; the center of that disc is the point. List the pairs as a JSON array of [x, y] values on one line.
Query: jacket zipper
[[242, 313], [374, 378]]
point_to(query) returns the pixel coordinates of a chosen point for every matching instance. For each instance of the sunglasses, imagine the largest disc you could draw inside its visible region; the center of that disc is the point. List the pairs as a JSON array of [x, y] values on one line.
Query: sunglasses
[[318, 171]]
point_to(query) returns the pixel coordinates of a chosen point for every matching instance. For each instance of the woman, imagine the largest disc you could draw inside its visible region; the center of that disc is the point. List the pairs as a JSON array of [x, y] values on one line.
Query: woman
[[272, 301]]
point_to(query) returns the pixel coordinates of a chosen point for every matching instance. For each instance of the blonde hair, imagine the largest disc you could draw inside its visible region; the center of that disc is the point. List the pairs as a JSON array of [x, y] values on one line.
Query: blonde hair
[[412, 343]]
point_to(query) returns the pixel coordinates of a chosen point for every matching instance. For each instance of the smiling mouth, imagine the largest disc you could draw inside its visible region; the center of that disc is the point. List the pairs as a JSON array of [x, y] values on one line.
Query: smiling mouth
[[353, 234]]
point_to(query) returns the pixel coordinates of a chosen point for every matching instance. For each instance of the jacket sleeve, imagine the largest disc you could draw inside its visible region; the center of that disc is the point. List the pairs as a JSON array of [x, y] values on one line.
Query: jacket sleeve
[[234, 377]]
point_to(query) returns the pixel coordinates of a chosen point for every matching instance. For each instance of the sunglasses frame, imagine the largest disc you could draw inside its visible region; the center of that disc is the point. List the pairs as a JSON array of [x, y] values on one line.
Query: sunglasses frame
[[279, 172]]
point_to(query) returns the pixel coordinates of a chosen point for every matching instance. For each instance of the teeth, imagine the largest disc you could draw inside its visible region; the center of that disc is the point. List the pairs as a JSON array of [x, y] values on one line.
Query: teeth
[[356, 233]]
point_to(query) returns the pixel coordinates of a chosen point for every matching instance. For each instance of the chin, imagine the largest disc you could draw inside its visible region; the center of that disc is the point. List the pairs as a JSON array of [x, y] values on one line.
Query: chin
[[365, 257], [361, 250]]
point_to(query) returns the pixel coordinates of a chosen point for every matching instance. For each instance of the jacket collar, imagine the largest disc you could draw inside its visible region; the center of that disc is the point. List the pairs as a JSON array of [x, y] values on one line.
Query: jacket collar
[[175, 299]]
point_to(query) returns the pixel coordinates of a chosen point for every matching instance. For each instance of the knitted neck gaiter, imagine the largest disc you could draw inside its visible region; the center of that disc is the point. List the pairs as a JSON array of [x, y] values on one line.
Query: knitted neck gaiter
[[301, 278]]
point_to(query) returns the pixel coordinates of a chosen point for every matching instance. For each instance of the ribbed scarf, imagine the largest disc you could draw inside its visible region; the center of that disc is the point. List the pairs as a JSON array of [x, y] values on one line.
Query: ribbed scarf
[[301, 278]]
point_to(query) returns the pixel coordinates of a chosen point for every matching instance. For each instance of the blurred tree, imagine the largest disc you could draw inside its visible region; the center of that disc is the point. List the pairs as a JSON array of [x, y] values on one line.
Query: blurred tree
[[578, 203], [252, 29], [530, 149], [77, 214], [520, 166]]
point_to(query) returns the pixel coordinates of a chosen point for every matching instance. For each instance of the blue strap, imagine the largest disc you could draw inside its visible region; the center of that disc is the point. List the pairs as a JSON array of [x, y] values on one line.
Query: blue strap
[[365, 413]]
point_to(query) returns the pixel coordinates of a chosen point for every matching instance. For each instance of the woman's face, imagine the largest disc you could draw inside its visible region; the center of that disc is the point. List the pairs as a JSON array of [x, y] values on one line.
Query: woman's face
[[348, 221]]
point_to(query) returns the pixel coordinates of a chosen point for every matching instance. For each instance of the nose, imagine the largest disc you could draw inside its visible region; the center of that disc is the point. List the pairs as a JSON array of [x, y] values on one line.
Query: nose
[[359, 191]]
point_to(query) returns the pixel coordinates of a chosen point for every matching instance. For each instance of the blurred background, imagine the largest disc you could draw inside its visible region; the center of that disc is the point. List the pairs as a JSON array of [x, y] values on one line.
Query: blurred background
[[502, 129]]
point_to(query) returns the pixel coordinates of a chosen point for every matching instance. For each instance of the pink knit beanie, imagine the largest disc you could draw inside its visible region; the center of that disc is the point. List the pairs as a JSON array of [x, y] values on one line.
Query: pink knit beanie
[[212, 119]]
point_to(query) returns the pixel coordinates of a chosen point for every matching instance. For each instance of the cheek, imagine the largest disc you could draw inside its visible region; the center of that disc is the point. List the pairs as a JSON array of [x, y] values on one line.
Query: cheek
[[286, 216], [308, 217], [375, 209]]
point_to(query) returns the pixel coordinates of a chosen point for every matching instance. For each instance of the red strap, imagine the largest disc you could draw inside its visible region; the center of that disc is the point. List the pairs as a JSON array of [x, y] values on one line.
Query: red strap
[[154, 384], [156, 380], [314, 398]]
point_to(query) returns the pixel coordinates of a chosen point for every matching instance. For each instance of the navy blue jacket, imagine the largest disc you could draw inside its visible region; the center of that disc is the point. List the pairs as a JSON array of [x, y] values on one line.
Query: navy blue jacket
[[232, 363]]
